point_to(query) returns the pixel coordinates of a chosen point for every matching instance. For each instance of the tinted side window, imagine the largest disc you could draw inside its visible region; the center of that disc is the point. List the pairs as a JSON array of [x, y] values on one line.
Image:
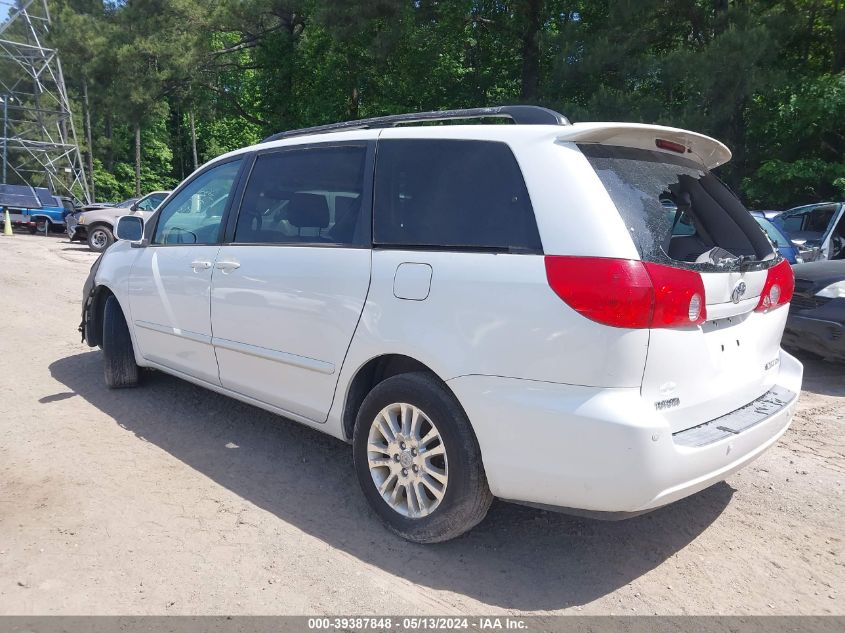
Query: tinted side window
[[308, 195], [452, 193], [193, 216]]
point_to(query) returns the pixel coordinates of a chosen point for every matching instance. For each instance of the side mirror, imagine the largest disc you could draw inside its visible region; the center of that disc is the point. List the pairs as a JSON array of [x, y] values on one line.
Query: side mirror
[[129, 228], [134, 206]]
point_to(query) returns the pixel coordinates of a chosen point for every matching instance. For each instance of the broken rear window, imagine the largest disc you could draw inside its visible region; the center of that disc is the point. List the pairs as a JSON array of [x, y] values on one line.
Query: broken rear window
[[676, 210]]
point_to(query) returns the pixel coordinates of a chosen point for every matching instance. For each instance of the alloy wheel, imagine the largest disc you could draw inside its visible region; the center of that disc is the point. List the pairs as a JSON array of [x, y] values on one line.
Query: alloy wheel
[[407, 460]]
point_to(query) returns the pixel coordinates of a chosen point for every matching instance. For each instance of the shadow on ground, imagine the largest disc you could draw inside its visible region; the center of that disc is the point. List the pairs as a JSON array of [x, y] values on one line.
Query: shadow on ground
[[818, 374], [77, 249], [518, 558]]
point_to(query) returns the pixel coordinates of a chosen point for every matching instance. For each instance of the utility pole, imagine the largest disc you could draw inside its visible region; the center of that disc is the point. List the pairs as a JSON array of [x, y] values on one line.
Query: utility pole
[[193, 138], [5, 135]]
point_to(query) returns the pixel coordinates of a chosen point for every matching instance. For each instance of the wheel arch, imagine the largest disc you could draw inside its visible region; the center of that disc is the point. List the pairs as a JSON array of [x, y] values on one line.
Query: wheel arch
[[99, 223], [94, 322], [370, 374], [96, 310]]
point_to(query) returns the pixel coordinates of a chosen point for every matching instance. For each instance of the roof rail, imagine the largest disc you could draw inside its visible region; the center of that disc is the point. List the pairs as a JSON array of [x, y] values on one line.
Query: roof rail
[[520, 114]]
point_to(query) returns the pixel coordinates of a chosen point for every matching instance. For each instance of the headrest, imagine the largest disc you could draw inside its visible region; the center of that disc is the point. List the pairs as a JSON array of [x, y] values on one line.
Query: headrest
[[308, 210]]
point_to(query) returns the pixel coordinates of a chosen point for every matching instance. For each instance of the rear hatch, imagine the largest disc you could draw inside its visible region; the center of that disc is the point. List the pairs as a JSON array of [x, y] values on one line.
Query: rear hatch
[[681, 216]]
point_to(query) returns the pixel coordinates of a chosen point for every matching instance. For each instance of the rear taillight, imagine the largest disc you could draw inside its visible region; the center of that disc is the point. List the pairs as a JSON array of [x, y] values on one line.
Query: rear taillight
[[615, 292], [778, 289], [628, 293], [678, 296]]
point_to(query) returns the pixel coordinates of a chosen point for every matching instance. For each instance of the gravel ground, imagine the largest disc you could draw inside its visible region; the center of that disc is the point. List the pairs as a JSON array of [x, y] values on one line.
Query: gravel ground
[[173, 499]]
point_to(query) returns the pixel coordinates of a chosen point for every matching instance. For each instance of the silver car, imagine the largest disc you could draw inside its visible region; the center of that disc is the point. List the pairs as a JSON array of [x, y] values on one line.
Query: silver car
[[97, 226]]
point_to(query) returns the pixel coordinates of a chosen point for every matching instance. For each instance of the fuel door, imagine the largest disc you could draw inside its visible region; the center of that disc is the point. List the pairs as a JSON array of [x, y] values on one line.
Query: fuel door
[[412, 281]]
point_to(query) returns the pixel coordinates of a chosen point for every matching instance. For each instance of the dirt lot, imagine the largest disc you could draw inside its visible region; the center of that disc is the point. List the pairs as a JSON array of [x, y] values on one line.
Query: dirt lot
[[172, 499]]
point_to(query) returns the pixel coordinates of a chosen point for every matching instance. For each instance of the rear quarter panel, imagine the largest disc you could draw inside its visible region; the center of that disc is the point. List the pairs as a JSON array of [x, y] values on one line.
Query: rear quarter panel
[[488, 314]]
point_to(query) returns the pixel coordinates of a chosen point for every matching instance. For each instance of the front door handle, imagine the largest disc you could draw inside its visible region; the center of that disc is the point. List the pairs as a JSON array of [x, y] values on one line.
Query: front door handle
[[227, 267], [199, 265]]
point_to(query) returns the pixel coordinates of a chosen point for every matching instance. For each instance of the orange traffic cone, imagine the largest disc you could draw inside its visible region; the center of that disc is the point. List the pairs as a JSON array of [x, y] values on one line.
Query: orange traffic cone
[[7, 225]]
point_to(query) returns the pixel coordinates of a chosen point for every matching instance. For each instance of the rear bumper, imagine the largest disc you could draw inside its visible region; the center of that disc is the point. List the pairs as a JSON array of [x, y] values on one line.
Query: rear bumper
[[601, 450], [819, 336], [18, 219]]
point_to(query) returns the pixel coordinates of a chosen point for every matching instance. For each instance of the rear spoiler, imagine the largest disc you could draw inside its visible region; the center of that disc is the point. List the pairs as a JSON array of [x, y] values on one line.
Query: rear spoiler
[[703, 149]]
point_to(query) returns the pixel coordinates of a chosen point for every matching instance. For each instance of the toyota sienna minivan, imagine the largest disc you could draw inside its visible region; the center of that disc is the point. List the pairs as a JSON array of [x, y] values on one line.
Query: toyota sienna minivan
[[572, 316]]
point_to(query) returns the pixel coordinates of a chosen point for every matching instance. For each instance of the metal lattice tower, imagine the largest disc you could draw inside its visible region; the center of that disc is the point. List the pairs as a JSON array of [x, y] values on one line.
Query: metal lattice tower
[[37, 137]]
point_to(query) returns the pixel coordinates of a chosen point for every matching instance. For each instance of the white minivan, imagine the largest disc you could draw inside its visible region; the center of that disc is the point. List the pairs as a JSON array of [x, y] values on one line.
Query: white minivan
[[572, 316]]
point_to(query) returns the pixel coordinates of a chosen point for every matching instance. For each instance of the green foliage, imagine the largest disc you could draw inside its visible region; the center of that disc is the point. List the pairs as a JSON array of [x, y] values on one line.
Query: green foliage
[[113, 185], [765, 77], [224, 134], [779, 184]]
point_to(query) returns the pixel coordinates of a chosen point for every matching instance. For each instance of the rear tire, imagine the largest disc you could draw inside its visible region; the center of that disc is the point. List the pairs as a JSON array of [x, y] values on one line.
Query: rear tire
[[119, 367], [438, 498], [99, 238]]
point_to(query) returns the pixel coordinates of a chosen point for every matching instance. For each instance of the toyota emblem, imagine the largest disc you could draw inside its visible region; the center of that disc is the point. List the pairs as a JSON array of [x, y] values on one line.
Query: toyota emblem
[[738, 292]]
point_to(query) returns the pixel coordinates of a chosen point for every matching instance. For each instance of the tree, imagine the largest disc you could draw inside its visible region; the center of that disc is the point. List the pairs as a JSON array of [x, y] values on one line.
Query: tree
[[173, 83]]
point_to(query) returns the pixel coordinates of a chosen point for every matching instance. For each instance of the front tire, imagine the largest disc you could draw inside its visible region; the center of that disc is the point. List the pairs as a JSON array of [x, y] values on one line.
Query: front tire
[[119, 367], [418, 461], [99, 238]]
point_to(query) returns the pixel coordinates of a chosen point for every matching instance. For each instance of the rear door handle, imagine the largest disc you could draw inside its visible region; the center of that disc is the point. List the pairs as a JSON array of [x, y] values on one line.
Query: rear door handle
[[227, 267], [199, 265]]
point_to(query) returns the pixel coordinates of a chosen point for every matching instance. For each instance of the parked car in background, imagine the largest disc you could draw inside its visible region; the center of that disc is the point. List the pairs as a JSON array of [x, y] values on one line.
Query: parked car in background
[[816, 227], [784, 245], [420, 292], [96, 227], [816, 320], [50, 217]]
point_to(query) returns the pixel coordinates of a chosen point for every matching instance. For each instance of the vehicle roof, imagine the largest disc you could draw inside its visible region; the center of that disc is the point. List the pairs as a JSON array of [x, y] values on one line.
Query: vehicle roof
[[708, 151], [811, 206]]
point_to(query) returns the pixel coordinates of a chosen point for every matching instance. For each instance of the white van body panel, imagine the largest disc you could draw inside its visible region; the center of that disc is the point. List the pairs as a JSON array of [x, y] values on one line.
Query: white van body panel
[[285, 317], [474, 322], [168, 301]]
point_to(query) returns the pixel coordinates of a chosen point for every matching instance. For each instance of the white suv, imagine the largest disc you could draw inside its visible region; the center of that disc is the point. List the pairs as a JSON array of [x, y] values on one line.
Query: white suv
[[574, 316]]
